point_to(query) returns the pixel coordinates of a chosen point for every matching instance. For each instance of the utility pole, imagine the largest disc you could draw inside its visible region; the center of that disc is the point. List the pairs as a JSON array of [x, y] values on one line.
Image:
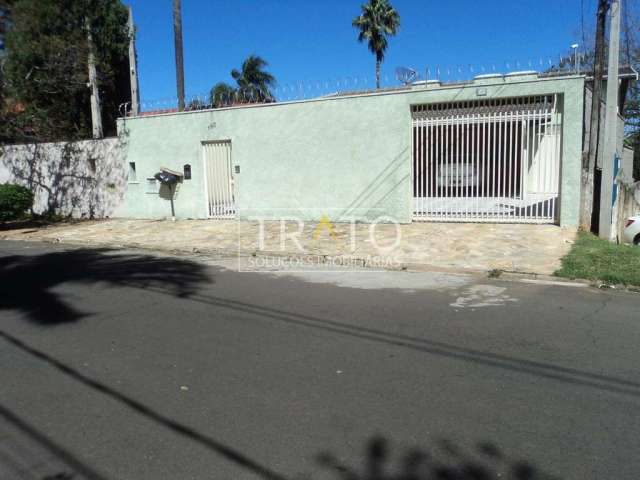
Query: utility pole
[[610, 126], [133, 67], [589, 161], [177, 36], [96, 113]]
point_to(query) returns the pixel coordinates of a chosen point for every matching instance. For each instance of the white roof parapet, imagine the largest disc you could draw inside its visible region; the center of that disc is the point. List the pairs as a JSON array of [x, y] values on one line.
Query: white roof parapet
[[521, 73], [486, 78], [487, 75], [426, 83]]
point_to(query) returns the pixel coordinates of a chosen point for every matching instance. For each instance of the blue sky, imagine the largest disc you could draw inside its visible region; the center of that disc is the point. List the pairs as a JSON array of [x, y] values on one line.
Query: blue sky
[[314, 41]]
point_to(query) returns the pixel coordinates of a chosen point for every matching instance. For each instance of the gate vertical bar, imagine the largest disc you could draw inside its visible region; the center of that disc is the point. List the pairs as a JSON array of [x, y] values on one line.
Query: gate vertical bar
[[467, 163], [526, 148], [476, 170], [423, 165], [499, 160], [430, 164], [439, 164], [493, 163], [419, 166], [512, 170], [414, 163]]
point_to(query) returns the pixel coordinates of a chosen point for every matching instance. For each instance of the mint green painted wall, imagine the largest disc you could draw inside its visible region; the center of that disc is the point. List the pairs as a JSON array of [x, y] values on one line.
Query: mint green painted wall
[[347, 157]]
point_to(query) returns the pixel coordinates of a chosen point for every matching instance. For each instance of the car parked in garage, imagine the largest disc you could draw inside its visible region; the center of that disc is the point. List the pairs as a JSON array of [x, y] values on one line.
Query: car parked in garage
[[457, 174]]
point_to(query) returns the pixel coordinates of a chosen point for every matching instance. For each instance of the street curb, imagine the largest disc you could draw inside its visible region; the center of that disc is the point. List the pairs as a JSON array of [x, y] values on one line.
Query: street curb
[[226, 254], [540, 279]]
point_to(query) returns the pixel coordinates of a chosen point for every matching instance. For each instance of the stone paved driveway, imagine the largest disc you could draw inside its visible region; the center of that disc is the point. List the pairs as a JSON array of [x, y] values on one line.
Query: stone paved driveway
[[438, 246]]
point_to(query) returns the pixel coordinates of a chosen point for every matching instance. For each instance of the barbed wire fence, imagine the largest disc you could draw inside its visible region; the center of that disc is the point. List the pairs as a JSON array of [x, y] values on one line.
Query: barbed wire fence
[[308, 89]]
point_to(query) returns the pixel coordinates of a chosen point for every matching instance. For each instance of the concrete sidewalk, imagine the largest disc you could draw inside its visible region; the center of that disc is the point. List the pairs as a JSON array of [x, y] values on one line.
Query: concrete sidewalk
[[439, 246]]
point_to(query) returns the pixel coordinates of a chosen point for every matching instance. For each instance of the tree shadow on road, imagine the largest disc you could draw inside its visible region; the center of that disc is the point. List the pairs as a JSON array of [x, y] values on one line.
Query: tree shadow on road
[[444, 461], [27, 282], [215, 445]]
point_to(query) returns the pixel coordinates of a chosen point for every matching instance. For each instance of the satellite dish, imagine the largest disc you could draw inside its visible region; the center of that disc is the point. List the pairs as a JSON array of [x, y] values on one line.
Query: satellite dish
[[406, 75]]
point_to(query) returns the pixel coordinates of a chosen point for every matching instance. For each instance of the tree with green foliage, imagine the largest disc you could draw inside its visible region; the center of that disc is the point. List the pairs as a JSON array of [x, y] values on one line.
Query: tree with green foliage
[[222, 94], [5, 10], [253, 81], [196, 104], [46, 69], [377, 21], [15, 201], [254, 85]]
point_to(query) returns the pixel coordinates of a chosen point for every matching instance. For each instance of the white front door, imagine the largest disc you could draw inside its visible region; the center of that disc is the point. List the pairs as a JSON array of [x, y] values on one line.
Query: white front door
[[219, 179]]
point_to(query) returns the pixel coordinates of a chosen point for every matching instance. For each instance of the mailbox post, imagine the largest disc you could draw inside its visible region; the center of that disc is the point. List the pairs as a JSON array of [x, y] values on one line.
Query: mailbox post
[[169, 178]]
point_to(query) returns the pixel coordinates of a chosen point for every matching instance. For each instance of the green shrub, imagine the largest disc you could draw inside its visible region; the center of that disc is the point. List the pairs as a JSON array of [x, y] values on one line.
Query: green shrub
[[15, 200]]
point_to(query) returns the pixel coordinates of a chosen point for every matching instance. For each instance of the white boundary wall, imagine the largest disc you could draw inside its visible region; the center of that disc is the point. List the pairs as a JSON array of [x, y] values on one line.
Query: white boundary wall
[[83, 179]]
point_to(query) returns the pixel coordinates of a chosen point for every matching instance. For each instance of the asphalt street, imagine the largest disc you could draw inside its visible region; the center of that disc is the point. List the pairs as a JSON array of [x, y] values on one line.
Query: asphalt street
[[130, 365]]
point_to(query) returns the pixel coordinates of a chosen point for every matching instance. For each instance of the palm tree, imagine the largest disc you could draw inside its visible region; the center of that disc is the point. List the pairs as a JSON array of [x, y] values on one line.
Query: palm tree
[[377, 21], [253, 82], [254, 85], [222, 94], [196, 104], [177, 39]]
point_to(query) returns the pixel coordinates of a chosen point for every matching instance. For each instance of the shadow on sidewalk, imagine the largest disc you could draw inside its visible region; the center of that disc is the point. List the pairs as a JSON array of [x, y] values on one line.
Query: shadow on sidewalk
[[27, 282], [33, 224]]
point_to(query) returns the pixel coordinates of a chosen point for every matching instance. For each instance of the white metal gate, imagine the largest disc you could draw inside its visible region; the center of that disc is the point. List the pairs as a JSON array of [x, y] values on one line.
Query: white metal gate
[[487, 160], [219, 179]]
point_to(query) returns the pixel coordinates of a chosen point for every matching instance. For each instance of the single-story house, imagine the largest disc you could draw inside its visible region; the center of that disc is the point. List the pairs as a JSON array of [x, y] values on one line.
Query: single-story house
[[500, 148]]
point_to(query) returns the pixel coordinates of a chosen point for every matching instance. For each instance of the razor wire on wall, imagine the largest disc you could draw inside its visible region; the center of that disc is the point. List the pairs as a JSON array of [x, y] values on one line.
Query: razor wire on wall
[[400, 79]]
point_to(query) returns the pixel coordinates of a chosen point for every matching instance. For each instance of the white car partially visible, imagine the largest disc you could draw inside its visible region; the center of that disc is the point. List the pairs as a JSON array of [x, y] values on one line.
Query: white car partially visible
[[632, 230], [457, 175]]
